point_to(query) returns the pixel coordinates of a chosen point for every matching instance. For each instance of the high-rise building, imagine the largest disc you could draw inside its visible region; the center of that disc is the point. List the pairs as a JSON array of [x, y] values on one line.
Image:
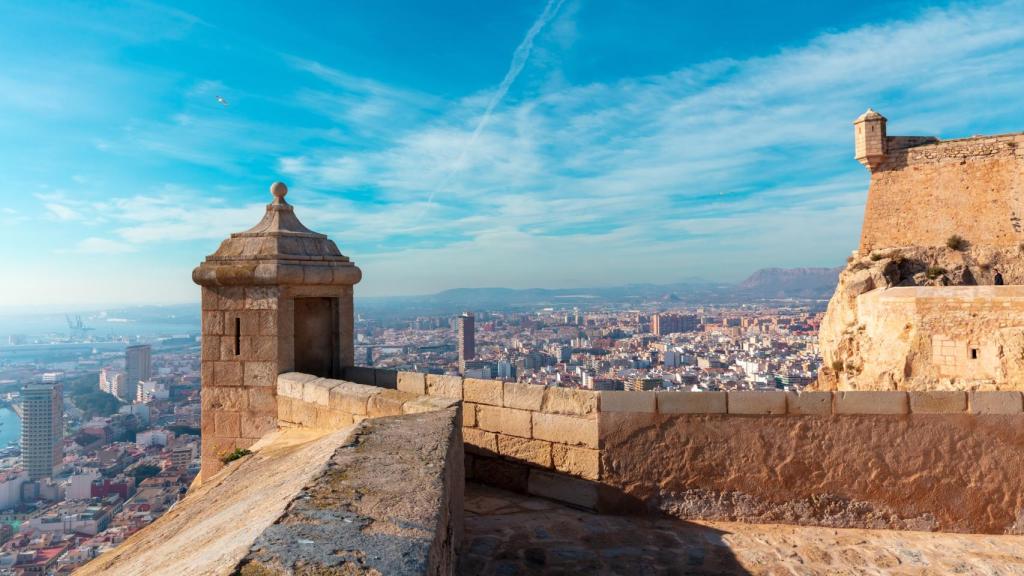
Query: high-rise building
[[138, 364], [662, 324], [467, 339], [42, 428]]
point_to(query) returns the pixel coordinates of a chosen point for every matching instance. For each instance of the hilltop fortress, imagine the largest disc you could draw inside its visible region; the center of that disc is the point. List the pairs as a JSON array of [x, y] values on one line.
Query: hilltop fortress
[[311, 465], [916, 307]]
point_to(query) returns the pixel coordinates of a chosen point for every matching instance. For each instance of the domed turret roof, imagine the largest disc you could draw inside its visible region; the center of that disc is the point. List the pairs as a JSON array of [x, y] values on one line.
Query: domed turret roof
[[278, 243]]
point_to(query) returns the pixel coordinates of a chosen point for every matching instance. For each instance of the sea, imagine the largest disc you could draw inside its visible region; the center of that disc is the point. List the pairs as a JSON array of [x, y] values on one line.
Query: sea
[[10, 426]]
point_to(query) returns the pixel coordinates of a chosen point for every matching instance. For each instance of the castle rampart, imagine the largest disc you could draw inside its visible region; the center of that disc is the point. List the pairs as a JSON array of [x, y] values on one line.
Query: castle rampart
[[933, 460], [923, 191]]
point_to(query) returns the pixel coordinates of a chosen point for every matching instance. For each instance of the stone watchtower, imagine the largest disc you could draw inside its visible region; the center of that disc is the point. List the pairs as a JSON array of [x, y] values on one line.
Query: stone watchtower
[[869, 139], [276, 298]]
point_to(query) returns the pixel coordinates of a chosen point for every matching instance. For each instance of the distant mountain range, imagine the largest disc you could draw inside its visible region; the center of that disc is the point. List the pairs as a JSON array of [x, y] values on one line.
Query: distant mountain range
[[791, 283], [767, 283]]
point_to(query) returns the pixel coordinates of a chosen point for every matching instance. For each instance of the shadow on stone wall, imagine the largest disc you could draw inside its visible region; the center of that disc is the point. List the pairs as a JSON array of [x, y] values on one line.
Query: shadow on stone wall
[[580, 527]]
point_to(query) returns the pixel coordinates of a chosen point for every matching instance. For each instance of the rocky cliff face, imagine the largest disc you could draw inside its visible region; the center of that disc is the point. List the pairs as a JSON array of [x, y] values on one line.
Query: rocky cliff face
[[875, 340]]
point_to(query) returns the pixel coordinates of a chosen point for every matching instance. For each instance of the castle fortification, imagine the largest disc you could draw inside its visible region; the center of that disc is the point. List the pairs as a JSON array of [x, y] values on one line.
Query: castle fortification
[[916, 307], [356, 470], [924, 190]]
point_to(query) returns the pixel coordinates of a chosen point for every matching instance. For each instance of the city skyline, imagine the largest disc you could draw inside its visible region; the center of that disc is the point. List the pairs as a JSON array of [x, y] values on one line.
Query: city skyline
[[534, 145]]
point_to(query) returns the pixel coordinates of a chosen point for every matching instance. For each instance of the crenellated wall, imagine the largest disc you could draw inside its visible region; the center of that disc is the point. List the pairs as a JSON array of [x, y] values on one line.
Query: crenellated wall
[[934, 460]]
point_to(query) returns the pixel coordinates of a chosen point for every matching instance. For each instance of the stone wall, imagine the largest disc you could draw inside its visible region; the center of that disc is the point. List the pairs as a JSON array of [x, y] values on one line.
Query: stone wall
[[972, 187], [240, 328], [936, 460]]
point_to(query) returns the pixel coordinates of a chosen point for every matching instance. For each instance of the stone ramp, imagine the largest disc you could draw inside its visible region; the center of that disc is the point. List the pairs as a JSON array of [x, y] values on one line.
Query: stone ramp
[[383, 496], [213, 527], [509, 534]]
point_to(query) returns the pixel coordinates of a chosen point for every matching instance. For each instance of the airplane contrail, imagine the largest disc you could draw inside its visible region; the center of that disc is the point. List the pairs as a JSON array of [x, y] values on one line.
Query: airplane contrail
[[519, 58]]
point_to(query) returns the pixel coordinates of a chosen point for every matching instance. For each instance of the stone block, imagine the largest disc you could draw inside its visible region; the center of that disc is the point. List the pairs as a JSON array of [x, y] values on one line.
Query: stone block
[[254, 426], [227, 373], [563, 488], [318, 391], [505, 420], [227, 424], [209, 348], [267, 325], [691, 402], [569, 401], [468, 415], [227, 349], [759, 402], [620, 401], [996, 402], [213, 323], [290, 384], [209, 299], [327, 419], [480, 441], [262, 399], [248, 322], [419, 404], [878, 402], [501, 473], [938, 402], [225, 398], [536, 452], [259, 374], [482, 391], [565, 429], [582, 462], [447, 386], [351, 398], [303, 413], [412, 382], [261, 298], [387, 403], [360, 375], [522, 396], [261, 349], [809, 403], [284, 409]]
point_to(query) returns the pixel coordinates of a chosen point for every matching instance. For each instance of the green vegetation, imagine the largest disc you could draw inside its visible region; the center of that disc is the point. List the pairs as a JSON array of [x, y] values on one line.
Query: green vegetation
[[84, 392], [235, 455], [145, 471], [956, 242], [934, 272], [875, 256]]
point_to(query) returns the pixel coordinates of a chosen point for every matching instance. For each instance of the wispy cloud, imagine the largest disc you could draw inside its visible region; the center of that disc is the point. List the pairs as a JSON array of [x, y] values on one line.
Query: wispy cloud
[[519, 58], [711, 169], [724, 162], [103, 246]]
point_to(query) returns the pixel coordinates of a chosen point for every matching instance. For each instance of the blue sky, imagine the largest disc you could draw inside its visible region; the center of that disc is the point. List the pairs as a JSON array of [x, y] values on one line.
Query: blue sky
[[518, 144]]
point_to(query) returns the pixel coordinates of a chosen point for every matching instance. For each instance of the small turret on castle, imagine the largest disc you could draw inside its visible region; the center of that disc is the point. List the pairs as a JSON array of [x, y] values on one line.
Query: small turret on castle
[[276, 298], [869, 138]]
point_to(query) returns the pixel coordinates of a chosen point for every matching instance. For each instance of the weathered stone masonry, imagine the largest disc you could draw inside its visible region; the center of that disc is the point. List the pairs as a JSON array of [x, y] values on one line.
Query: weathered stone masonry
[[924, 190], [275, 298], [935, 460]]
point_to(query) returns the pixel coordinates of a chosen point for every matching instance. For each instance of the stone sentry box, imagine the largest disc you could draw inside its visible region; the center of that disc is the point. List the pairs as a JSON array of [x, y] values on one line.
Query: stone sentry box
[[276, 298]]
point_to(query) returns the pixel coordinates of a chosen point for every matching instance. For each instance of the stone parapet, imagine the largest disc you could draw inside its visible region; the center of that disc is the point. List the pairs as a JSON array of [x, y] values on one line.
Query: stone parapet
[[764, 456]]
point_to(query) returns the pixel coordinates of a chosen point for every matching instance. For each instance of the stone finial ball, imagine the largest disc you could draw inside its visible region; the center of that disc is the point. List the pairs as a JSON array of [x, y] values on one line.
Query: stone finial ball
[[278, 189]]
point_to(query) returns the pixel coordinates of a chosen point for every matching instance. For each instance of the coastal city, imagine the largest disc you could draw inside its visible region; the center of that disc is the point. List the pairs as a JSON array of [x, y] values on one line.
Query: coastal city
[[746, 347], [102, 433]]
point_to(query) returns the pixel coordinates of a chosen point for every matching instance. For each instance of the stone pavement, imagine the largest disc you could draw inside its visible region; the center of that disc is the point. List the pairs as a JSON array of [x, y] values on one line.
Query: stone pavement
[[509, 534]]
